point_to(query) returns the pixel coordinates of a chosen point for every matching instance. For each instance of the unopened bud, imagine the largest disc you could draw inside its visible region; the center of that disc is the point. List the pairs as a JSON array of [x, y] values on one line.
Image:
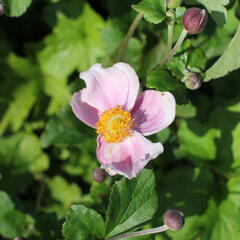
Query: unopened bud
[[19, 238], [174, 3], [99, 174], [193, 81], [173, 219], [2, 8], [194, 20]]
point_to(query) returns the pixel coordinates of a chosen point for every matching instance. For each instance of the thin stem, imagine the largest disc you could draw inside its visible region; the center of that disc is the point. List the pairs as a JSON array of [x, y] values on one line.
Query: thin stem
[[129, 35], [173, 51], [170, 35], [176, 47], [141, 233]]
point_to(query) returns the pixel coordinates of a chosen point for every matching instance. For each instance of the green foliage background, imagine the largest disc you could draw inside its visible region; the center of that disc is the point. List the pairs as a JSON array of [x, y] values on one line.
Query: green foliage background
[[47, 156]]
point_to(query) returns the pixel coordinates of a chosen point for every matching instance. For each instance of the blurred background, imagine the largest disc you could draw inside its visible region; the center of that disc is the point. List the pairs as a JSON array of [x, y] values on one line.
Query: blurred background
[[47, 155]]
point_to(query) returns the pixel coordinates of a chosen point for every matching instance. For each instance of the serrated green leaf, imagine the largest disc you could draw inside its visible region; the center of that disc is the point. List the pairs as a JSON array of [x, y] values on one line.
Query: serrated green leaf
[[228, 156], [24, 95], [131, 203], [74, 45], [228, 62], [17, 7], [227, 220], [65, 130], [83, 224], [70, 8], [21, 155], [64, 192], [154, 10], [197, 141], [216, 9], [12, 222]]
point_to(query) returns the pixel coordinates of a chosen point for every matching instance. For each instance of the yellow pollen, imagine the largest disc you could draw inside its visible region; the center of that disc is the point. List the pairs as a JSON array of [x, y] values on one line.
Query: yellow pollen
[[115, 125]]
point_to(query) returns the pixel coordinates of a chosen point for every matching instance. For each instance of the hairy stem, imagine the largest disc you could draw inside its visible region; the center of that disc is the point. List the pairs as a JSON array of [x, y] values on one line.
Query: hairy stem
[[173, 51], [140, 233], [129, 35], [170, 36]]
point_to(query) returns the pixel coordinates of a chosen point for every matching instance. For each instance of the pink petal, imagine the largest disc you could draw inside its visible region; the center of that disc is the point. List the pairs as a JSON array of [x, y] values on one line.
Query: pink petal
[[109, 87], [83, 111], [129, 157], [153, 111]]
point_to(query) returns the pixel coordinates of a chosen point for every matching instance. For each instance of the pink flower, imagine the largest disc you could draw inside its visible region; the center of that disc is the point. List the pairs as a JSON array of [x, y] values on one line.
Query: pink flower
[[110, 103]]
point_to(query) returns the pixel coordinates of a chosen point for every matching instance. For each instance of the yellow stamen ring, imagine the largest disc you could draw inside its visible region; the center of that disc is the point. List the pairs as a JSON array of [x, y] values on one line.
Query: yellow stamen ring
[[115, 125]]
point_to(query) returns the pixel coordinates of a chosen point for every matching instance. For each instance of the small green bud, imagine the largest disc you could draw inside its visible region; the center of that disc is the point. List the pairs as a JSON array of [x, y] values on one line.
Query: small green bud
[[99, 175], [194, 20], [173, 219], [174, 3]]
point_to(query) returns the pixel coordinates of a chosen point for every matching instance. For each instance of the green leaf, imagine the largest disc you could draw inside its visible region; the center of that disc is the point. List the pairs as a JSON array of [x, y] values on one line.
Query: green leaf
[[83, 224], [198, 142], [21, 155], [228, 62], [154, 10], [216, 9], [12, 222], [64, 192], [65, 130], [70, 8], [24, 95], [162, 80], [17, 7], [227, 220], [228, 156], [75, 44], [131, 203]]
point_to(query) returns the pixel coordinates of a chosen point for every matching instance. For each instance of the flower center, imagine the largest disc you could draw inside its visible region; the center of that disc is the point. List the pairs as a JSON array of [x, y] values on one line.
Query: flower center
[[115, 125]]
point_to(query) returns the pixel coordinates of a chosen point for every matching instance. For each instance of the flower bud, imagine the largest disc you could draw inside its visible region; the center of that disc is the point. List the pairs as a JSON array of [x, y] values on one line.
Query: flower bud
[[2, 8], [194, 20], [173, 219], [193, 81], [174, 3], [19, 238], [99, 175]]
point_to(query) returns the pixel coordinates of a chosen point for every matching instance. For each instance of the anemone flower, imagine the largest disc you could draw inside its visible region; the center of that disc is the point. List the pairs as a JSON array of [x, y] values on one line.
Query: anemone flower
[[111, 104]]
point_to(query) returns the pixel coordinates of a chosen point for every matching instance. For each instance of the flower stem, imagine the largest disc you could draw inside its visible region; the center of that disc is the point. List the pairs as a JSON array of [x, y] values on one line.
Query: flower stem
[[129, 35], [173, 51], [141, 233], [170, 35]]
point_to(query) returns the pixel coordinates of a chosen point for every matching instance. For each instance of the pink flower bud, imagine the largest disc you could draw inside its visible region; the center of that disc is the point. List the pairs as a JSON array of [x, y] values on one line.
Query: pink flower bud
[[99, 175], [1, 8], [174, 3], [19, 238], [193, 81], [194, 20], [173, 219]]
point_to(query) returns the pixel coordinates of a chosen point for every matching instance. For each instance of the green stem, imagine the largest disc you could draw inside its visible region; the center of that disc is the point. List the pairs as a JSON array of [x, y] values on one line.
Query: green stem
[[173, 51], [140, 233], [170, 35], [129, 35]]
